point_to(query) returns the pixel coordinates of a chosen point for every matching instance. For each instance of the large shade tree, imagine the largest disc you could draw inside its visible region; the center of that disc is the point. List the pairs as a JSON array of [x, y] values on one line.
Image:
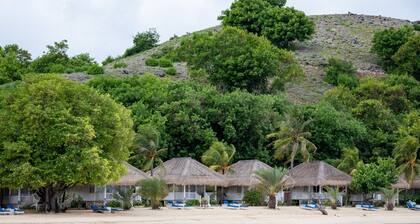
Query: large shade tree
[[56, 133]]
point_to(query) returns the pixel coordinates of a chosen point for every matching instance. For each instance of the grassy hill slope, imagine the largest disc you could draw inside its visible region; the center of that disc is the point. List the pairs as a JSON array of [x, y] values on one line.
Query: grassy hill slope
[[346, 36]]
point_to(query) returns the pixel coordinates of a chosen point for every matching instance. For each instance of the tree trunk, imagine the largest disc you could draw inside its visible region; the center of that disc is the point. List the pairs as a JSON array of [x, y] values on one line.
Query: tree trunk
[[389, 206], [272, 201], [52, 198]]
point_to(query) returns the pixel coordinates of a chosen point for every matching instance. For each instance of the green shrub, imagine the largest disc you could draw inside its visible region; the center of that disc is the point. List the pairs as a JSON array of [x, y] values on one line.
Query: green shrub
[[192, 202], [142, 42], [114, 204], [346, 80], [170, 71], [253, 198], [57, 68], [164, 62], [337, 67], [120, 64], [77, 202], [95, 69], [416, 26], [152, 62], [379, 204]]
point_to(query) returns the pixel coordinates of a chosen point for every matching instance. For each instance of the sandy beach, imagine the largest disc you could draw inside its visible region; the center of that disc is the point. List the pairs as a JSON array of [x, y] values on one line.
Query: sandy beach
[[257, 215]]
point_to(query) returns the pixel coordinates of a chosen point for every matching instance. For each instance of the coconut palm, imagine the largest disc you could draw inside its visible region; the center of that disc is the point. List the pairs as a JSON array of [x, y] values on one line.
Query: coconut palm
[[389, 196], [405, 152], [149, 146], [292, 139], [349, 160], [219, 156], [154, 189], [271, 182], [125, 197], [334, 193]]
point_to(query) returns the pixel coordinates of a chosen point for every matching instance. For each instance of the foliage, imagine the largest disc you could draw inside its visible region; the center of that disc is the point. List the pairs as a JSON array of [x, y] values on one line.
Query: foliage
[[120, 64], [389, 196], [191, 116], [271, 182], [53, 128], [339, 68], [192, 202], [95, 69], [372, 177], [114, 204], [281, 25], [153, 189], [152, 62], [125, 197], [292, 140], [77, 202], [14, 62], [349, 160], [407, 57], [149, 146], [142, 42], [164, 62], [406, 152], [170, 71], [386, 43], [253, 197], [334, 193], [233, 58], [219, 156], [108, 60]]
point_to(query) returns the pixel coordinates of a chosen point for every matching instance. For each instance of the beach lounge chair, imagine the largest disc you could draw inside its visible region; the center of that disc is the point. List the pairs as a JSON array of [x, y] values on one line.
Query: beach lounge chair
[[367, 207], [16, 211], [413, 206], [234, 205], [309, 206], [97, 209], [178, 205], [5, 211]]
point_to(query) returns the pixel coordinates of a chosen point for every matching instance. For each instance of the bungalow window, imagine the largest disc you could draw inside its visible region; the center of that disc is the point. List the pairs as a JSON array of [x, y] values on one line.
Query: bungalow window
[[91, 189]]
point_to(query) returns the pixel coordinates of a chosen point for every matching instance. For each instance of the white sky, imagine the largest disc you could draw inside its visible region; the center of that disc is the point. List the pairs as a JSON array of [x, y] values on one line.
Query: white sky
[[106, 27]]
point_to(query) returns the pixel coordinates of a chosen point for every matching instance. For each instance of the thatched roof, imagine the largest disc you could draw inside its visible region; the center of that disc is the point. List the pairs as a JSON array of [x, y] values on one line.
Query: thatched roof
[[402, 183], [187, 171], [132, 177], [318, 173], [242, 173]]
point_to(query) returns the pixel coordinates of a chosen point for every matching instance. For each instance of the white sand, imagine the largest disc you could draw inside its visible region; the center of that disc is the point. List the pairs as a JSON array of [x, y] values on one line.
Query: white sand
[[286, 215]]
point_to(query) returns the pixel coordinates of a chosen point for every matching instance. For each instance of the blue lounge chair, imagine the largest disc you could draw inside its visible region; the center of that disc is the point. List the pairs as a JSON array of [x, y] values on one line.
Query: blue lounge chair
[[309, 206], [98, 209], [178, 205], [234, 205], [367, 207], [16, 211], [5, 211], [413, 206]]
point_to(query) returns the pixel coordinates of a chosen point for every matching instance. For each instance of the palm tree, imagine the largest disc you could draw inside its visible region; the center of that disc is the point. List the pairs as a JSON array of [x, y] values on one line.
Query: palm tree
[[271, 182], [405, 152], [154, 189], [149, 145], [389, 196], [349, 160], [219, 156], [125, 197], [292, 139], [334, 193]]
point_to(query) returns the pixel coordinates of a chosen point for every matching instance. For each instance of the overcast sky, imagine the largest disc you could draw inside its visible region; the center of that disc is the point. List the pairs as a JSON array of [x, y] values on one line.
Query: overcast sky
[[106, 27]]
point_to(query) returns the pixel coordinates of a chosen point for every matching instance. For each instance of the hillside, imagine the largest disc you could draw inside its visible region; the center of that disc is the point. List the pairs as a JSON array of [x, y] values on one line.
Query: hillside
[[347, 36]]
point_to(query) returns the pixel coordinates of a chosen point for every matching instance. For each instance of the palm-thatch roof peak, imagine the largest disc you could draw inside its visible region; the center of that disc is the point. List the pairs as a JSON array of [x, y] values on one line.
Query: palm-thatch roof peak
[[131, 177], [318, 173], [187, 171], [403, 183], [242, 173]]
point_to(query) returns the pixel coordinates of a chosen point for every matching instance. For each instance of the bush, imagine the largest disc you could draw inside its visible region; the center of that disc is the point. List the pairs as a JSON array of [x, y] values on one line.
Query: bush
[[416, 26], [164, 62], [340, 72], [407, 58], [386, 43], [253, 197], [281, 25], [143, 41], [114, 204], [120, 64], [170, 71], [379, 204], [95, 69], [77, 202], [192, 202], [152, 62]]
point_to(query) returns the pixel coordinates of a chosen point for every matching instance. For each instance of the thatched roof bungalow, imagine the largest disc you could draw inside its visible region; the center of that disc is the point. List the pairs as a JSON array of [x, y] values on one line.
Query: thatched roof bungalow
[[403, 184], [131, 177], [242, 173]]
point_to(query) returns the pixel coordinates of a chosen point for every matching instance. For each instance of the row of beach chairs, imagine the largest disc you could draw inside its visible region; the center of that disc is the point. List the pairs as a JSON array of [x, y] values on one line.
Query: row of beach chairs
[[11, 210]]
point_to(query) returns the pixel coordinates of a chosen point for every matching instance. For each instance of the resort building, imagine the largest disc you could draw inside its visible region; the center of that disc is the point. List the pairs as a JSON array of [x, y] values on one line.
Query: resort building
[[189, 180], [241, 177], [310, 178]]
